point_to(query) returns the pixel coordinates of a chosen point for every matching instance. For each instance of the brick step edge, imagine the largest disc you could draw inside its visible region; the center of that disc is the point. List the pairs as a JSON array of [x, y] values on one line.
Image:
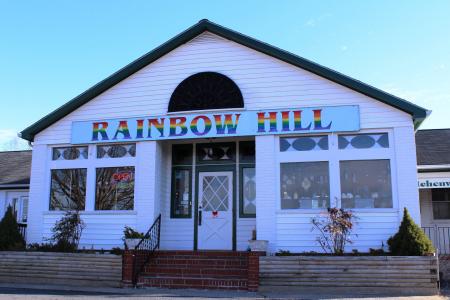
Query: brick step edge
[[196, 271], [199, 283]]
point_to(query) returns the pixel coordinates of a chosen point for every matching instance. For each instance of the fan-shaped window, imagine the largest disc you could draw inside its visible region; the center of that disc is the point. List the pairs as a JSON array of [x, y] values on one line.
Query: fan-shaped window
[[206, 90]]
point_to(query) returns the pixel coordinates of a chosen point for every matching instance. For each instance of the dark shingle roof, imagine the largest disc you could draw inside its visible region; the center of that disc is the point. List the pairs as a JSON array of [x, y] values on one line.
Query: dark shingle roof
[[433, 146], [15, 167]]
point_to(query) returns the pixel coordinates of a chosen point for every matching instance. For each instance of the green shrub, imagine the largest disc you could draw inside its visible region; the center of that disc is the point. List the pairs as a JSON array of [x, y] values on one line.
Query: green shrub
[[410, 240], [67, 232], [335, 228], [116, 251], [44, 247], [10, 237], [130, 233]]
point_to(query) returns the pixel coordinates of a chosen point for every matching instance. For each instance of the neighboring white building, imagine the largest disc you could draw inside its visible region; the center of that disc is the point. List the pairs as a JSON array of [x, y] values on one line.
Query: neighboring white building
[[433, 165], [242, 135], [14, 184]]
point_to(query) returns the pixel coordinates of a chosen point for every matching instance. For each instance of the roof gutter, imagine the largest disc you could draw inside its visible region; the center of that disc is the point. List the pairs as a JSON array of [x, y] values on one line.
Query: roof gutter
[[14, 186]]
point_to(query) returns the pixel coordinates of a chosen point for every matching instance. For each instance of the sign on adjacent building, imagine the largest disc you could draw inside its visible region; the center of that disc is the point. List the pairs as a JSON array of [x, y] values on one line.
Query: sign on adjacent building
[[434, 183], [219, 124]]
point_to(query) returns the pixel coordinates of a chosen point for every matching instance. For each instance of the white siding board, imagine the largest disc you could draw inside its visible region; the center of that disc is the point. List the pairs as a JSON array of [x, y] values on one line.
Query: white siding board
[[176, 234], [244, 228], [37, 199], [296, 233], [406, 168], [101, 231], [266, 191], [264, 81]]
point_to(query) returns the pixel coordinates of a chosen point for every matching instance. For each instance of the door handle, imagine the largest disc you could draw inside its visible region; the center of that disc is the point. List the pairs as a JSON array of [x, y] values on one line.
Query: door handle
[[199, 218]]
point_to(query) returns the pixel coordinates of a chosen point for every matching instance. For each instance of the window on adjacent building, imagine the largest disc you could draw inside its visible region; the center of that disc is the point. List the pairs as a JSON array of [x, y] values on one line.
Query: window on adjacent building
[[366, 184], [441, 203], [305, 185], [114, 188], [68, 189]]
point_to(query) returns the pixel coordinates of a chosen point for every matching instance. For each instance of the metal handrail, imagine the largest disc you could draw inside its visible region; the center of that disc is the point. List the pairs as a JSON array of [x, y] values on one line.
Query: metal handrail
[[146, 247]]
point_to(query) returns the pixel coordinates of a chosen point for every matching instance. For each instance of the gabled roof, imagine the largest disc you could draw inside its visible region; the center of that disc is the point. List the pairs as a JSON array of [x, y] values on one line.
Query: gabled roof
[[418, 113], [433, 147], [15, 168]]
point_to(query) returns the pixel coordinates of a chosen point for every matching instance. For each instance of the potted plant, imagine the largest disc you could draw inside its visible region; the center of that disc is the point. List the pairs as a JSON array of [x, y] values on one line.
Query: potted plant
[[257, 245], [132, 237]]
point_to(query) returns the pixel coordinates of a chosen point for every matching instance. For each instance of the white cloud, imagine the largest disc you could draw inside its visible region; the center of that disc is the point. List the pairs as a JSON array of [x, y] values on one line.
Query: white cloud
[[312, 22], [9, 141]]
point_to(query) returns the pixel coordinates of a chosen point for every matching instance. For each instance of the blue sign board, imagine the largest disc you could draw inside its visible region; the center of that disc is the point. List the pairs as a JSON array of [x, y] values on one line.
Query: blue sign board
[[218, 124]]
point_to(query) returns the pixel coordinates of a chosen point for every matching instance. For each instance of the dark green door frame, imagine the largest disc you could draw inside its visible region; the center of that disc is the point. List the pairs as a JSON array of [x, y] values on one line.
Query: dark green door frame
[[214, 168]]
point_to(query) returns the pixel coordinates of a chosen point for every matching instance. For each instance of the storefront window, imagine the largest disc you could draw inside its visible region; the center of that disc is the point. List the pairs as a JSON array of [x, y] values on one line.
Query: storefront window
[[304, 143], [248, 192], [441, 203], [116, 151], [182, 154], [68, 189], [247, 152], [363, 141], [213, 153], [181, 193], [114, 188], [70, 153], [366, 184], [305, 185]]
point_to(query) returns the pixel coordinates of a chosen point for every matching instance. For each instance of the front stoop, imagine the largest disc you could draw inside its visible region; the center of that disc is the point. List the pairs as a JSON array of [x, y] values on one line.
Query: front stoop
[[228, 270]]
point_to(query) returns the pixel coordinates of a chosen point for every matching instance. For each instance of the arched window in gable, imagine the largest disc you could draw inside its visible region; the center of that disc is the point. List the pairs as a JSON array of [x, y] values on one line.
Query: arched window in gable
[[206, 91]]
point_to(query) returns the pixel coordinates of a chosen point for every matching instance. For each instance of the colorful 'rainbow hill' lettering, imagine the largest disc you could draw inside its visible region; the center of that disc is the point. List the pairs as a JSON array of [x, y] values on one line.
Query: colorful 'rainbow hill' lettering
[[241, 123]]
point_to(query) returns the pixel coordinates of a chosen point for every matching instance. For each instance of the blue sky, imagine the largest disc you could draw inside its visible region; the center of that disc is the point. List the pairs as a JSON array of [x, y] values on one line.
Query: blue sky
[[51, 51]]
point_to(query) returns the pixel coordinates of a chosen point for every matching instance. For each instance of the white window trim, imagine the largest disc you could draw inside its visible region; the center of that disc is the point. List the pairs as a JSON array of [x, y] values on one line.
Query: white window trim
[[334, 155], [91, 164]]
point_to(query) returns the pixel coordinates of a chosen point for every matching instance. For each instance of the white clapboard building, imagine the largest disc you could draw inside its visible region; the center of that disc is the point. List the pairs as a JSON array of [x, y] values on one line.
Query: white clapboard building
[[223, 134]]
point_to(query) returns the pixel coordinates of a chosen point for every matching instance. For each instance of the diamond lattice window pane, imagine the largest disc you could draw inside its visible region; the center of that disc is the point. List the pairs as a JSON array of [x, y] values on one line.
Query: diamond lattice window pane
[[215, 193]]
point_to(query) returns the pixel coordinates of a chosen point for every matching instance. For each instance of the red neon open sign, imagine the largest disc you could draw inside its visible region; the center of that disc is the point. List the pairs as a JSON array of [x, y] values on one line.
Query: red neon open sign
[[122, 176]]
